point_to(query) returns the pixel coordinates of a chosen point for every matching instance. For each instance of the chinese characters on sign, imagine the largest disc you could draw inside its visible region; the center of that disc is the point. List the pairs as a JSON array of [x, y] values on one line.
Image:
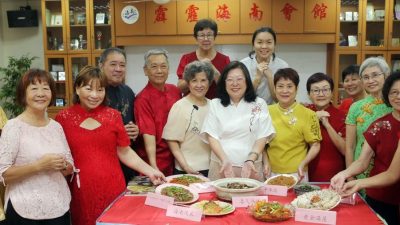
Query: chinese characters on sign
[[160, 14], [319, 11], [191, 13], [223, 12], [186, 213], [256, 13], [288, 10]]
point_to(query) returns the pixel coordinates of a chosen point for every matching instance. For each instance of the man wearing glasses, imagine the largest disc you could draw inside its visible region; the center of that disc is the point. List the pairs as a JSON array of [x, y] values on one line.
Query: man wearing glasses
[[205, 31]]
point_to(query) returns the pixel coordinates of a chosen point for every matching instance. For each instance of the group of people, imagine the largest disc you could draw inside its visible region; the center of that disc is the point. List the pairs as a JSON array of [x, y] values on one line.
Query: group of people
[[223, 119]]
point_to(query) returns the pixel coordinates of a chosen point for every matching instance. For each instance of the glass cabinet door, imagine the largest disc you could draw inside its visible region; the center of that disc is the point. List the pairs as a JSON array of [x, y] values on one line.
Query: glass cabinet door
[[56, 65], [394, 60], [349, 25], [394, 25], [102, 28], [374, 26], [53, 29], [78, 30]]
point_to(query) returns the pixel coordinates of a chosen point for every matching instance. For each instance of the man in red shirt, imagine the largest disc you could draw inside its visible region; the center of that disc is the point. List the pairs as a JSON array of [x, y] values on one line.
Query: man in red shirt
[[330, 159], [152, 106]]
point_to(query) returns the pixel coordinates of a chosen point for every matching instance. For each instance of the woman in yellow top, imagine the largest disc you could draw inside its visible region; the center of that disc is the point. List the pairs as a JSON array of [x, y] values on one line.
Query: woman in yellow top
[[297, 130], [3, 119]]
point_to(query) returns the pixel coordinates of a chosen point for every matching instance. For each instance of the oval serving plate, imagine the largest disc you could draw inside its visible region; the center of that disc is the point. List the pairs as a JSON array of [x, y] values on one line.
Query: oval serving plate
[[203, 178], [227, 208], [321, 199], [273, 178], [194, 193]]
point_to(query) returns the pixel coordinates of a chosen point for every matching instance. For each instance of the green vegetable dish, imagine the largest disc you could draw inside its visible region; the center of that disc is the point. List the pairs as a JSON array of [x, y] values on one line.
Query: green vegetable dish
[[180, 194]]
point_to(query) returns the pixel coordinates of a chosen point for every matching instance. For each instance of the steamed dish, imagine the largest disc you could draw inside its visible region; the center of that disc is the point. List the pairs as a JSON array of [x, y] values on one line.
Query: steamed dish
[[323, 199], [237, 185]]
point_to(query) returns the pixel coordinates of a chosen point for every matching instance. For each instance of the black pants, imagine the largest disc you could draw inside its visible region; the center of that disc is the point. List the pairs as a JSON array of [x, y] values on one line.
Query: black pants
[[203, 172], [12, 218], [387, 211]]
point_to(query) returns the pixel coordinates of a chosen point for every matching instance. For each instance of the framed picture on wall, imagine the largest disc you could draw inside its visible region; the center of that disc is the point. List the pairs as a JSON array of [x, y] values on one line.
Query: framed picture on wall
[[100, 18]]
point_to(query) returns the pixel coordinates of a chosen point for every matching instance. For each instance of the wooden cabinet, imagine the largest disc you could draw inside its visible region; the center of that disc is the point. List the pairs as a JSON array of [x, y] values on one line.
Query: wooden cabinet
[[74, 32], [394, 25]]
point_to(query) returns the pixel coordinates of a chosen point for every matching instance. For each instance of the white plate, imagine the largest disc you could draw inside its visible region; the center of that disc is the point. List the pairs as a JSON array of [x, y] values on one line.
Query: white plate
[[227, 208], [194, 193], [329, 200], [285, 175], [203, 178]]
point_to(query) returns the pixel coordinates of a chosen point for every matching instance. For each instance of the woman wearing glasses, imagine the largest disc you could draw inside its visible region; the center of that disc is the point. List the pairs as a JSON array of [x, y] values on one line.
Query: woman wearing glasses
[[205, 31], [262, 63], [381, 143], [373, 72], [237, 126], [185, 120], [330, 159]]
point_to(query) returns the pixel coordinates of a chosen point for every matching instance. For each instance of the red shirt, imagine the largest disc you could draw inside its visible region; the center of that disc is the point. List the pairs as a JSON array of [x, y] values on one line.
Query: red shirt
[[151, 112], [382, 137], [219, 61], [345, 106], [329, 161]]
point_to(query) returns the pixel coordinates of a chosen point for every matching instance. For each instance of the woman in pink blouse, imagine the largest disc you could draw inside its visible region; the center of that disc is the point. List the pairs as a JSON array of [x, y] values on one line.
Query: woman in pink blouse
[[35, 157]]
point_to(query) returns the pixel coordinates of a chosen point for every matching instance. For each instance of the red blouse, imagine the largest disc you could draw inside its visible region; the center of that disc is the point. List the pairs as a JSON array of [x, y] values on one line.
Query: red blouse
[[219, 61], [151, 112], [382, 137], [329, 161]]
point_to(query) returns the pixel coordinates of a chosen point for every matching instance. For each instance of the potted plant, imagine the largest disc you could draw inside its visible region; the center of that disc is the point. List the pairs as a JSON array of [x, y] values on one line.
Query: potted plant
[[10, 76]]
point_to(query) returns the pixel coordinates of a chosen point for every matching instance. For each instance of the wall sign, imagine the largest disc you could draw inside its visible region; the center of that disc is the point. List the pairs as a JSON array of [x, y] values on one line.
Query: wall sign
[[130, 14]]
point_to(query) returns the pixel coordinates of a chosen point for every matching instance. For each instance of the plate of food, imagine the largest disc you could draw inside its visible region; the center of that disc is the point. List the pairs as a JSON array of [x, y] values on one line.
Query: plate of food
[[214, 208], [324, 199], [270, 211], [181, 193], [186, 179], [140, 185], [228, 187], [283, 180]]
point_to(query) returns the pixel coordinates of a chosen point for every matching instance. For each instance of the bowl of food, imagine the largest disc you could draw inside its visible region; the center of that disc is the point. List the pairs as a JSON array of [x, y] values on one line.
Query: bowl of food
[[270, 211], [283, 180], [300, 189], [226, 188]]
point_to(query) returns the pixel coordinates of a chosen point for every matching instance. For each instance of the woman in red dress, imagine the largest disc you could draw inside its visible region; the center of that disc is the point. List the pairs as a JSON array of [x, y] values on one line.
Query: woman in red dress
[[97, 139]]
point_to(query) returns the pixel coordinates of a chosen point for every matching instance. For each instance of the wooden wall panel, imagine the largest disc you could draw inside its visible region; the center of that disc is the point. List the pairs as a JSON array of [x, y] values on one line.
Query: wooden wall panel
[[161, 19], [254, 14], [188, 13]]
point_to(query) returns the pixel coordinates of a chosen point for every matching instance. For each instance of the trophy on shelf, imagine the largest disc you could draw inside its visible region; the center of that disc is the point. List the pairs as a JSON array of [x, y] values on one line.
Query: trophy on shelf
[[80, 41], [99, 35]]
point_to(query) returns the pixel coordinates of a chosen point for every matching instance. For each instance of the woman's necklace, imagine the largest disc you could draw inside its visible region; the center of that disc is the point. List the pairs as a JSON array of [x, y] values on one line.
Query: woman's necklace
[[289, 113]]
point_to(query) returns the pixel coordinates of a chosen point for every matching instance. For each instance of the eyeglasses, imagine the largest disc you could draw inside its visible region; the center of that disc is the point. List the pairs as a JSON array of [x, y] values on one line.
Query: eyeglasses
[[239, 80], [394, 93], [318, 91], [372, 76], [204, 36]]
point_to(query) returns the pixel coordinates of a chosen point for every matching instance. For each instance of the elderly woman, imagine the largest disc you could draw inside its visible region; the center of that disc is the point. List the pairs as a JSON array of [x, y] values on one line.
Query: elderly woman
[[381, 144], [185, 120], [205, 32], [373, 72], [262, 63], [35, 157], [298, 135], [330, 159], [98, 140], [237, 126], [353, 86]]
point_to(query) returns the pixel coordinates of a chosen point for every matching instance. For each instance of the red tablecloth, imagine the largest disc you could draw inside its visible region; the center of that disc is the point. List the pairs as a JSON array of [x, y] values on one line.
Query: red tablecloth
[[131, 210]]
